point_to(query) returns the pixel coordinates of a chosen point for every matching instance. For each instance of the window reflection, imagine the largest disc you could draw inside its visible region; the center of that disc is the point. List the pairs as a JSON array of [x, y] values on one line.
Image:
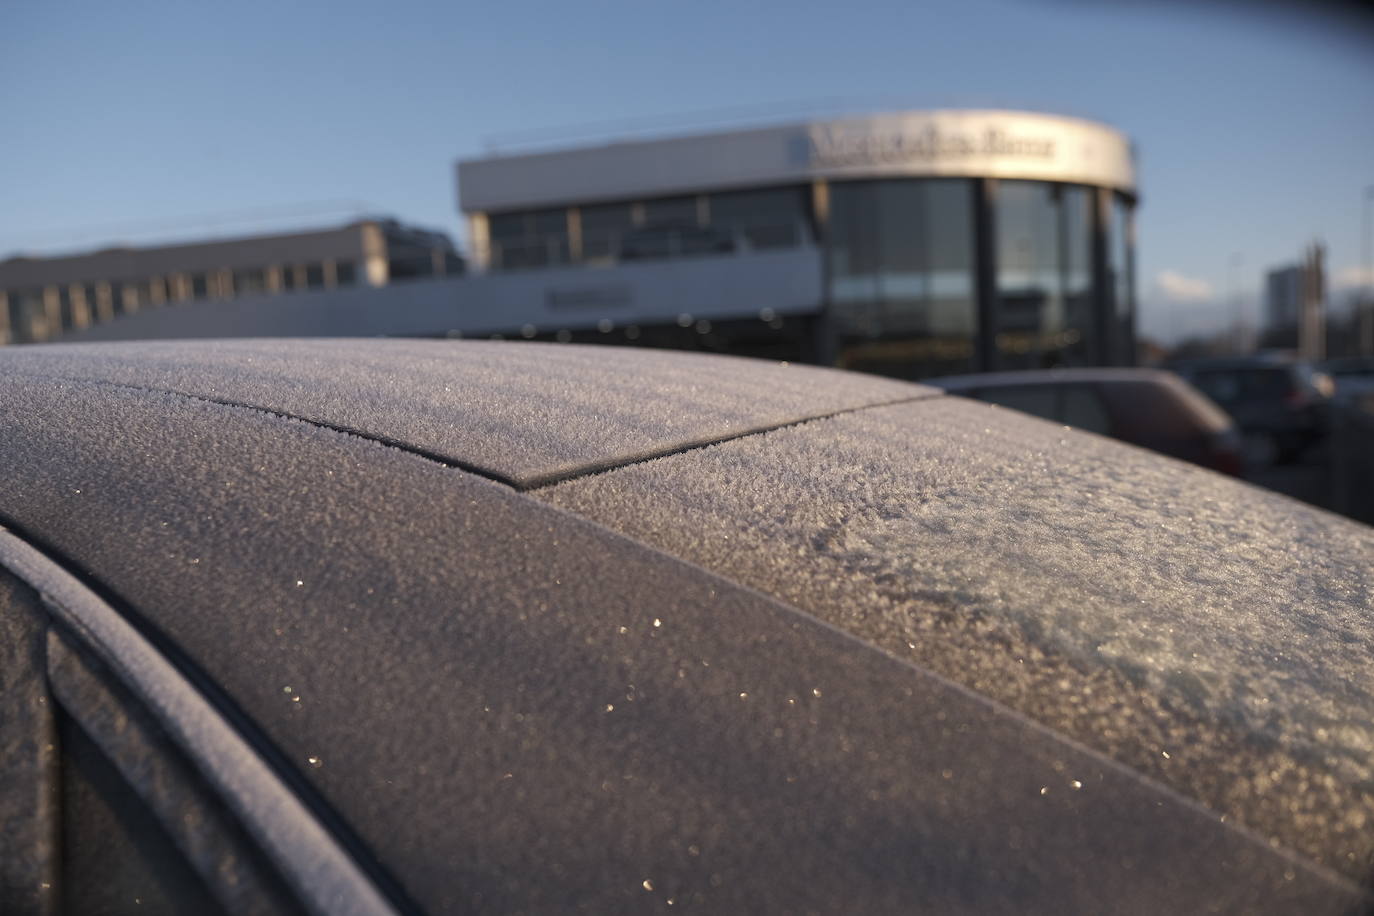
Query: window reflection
[[1031, 320], [1076, 221], [1120, 270], [537, 238], [901, 275], [604, 226], [767, 218]]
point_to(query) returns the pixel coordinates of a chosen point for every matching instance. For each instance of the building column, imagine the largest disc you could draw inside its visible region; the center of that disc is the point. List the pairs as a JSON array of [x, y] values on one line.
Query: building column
[[1102, 352], [575, 234], [104, 301], [479, 242], [985, 272], [375, 269], [52, 313], [82, 308]]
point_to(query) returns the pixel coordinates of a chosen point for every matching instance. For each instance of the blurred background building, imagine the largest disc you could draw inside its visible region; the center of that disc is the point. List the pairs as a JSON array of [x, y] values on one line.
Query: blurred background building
[[912, 244], [44, 298], [1295, 306]]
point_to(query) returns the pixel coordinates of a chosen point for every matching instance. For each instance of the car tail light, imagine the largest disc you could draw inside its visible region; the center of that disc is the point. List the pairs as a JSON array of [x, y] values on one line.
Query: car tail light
[[1295, 399]]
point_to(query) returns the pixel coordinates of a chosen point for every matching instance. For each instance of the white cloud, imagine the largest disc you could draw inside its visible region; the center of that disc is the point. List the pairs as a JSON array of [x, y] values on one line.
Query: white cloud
[[1352, 278], [1178, 288]]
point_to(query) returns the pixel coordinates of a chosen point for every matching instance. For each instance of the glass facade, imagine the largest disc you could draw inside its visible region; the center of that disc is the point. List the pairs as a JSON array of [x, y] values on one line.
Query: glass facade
[[923, 276], [651, 229], [900, 259], [909, 294], [1044, 275], [1121, 278]]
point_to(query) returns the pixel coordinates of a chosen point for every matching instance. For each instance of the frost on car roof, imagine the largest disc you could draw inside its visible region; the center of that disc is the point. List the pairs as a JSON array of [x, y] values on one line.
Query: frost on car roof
[[520, 711], [1211, 634], [525, 413]]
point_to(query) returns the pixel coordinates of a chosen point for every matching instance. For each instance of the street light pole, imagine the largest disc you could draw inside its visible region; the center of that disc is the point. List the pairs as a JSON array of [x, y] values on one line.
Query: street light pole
[[1233, 290], [1367, 303]]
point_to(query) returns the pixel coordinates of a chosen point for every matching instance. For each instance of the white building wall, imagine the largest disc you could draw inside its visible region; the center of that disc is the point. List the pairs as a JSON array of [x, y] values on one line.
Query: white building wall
[[717, 288], [983, 144]]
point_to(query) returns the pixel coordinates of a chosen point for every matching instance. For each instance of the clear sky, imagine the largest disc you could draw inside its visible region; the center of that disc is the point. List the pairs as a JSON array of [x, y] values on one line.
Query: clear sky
[[133, 121]]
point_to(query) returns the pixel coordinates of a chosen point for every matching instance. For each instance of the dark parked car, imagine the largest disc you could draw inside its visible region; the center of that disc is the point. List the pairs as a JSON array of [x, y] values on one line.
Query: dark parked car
[[454, 627], [1353, 379], [1279, 403], [1146, 407]]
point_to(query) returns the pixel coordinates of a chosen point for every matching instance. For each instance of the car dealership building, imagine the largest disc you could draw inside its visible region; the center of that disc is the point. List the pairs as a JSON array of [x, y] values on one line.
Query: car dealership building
[[912, 243], [937, 241]]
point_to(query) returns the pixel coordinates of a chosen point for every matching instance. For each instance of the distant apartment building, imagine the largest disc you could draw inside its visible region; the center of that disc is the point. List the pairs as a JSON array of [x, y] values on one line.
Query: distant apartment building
[[44, 297], [1295, 305], [1284, 291]]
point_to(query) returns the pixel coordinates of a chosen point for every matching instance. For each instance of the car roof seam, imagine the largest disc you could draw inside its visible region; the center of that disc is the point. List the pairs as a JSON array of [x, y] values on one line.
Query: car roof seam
[[521, 483], [593, 469], [378, 439]]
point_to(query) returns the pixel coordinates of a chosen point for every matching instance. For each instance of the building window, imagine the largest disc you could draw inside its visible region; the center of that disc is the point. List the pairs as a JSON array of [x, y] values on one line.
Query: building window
[[1076, 230], [537, 238], [901, 255], [314, 276], [200, 285], [670, 211], [1045, 295], [27, 319], [66, 314], [1030, 294], [345, 273], [250, 282], [604, 229], [769, 218]]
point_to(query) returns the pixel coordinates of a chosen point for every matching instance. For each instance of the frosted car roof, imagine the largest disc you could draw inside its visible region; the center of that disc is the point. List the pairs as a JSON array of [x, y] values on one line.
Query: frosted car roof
[[517, 709], [1215, 635], [524, 413]]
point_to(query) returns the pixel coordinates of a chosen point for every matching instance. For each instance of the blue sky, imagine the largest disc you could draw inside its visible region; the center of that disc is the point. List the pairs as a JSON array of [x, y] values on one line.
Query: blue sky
[[1254, 124]]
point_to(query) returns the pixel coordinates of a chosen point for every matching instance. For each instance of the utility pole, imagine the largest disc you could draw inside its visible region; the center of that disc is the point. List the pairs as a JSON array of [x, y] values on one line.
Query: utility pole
[[1367, 301], [1311, 314], [1233, 291]]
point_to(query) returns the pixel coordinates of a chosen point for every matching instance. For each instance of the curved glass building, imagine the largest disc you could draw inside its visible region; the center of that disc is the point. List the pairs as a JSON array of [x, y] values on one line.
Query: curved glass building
[[946, 241]]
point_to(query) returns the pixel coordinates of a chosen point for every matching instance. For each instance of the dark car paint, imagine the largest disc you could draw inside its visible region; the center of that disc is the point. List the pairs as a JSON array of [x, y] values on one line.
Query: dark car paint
[[563, 672]]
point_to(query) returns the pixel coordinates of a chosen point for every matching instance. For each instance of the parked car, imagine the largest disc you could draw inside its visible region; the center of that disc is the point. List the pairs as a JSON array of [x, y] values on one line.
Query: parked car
[[1279, 403], [376, 627], [1353, 380], [1147, 407]]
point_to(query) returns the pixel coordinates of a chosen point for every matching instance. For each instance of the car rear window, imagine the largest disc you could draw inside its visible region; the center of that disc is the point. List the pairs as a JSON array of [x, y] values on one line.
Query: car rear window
[[1036, 400], [1227, 386], [1076, 405], [1081, 407]]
